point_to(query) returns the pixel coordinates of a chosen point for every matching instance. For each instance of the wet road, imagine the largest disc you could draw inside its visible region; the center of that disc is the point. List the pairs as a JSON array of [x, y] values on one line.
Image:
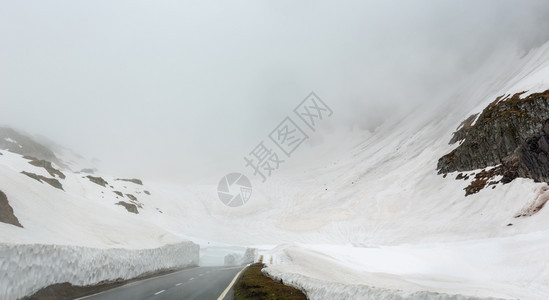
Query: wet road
[[202, 283]]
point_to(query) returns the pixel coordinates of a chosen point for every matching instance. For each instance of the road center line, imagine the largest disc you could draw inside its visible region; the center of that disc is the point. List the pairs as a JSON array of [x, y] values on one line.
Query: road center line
[[158, 293], [226, 291], [179, 284], [133, 283]]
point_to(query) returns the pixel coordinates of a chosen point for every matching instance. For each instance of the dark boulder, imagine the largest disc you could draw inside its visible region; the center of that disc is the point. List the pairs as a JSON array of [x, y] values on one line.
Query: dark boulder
[[98, 180], [129, 207], [6, 212]]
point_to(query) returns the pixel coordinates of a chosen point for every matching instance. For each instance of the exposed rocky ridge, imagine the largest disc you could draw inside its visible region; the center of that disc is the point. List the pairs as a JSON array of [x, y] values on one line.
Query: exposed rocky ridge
[[98, 180], [6, 212], [51, 181], [511, 133], [88, 171], [46, 165], [462, 130], [133, 180], [16, 142], [501, 129], [129, 207]]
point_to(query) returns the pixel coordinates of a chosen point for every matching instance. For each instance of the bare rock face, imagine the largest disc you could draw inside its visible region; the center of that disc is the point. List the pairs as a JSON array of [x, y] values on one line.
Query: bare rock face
[[51, 181], [129, 207], [46, 165], [6, 211], [511, 135], [532, 158], [463, 129], [511, 132], [98, 180], [16, 142], [133, 180]]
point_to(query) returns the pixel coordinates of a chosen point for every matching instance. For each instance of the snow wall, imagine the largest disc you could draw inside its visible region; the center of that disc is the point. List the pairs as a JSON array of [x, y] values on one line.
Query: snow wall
[[25, 269]]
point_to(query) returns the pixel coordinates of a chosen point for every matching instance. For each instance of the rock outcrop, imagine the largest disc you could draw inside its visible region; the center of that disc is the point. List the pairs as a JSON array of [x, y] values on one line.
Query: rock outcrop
[[129, 207], [500, 130], [532, 159], [46, 165], [98, 180], [51, 181], [6, 211], [16, 142], [511, 133], [133, 180]]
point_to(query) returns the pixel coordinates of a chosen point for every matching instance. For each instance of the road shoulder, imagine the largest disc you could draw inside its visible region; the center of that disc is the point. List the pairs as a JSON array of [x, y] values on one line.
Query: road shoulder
[[253, 284]]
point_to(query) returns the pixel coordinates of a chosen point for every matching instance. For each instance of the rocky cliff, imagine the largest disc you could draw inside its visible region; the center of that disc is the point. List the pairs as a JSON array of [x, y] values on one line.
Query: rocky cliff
[[511, 133], [16, 142]]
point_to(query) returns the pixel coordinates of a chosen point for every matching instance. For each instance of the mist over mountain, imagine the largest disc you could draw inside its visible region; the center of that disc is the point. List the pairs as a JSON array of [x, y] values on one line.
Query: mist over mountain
[[156, 90], [249, 149]]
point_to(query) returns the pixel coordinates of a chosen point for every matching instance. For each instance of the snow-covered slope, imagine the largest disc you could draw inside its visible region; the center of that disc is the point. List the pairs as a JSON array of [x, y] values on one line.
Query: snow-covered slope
[[385, 192], [55, 216], [79, 234], [368, 218], [380, 188], [443, 244]]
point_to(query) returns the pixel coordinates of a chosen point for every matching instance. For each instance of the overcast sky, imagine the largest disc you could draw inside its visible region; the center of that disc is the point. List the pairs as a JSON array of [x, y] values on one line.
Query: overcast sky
[[161, 88]]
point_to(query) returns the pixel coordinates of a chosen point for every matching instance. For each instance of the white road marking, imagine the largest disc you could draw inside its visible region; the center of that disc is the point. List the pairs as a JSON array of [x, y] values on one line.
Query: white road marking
[[134, 283], [179, 284], [192, 278], [158, 293], [226, 291]]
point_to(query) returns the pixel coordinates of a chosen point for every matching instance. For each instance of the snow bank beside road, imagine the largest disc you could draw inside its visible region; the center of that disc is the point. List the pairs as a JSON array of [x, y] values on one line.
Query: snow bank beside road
[[506, 267], [318, 289], [28, 268]]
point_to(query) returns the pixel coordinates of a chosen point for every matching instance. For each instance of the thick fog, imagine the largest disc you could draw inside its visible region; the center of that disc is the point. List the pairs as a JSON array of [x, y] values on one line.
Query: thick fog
[[168, 89]]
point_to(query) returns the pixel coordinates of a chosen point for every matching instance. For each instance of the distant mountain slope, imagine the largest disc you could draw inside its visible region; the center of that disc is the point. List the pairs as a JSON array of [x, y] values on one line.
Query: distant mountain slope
[[59, 226], [16, 142], [381, 189]]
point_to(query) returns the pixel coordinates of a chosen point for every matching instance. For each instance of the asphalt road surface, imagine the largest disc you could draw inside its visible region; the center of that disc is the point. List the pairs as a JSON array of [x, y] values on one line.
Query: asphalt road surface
[[202, 283]]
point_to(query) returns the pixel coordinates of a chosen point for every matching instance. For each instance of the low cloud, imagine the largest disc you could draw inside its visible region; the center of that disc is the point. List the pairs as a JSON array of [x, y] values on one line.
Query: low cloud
[[163, 89]]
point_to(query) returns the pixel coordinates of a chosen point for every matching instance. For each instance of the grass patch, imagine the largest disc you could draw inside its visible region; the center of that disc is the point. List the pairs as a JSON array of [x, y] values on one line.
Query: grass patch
[[255, 285]]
